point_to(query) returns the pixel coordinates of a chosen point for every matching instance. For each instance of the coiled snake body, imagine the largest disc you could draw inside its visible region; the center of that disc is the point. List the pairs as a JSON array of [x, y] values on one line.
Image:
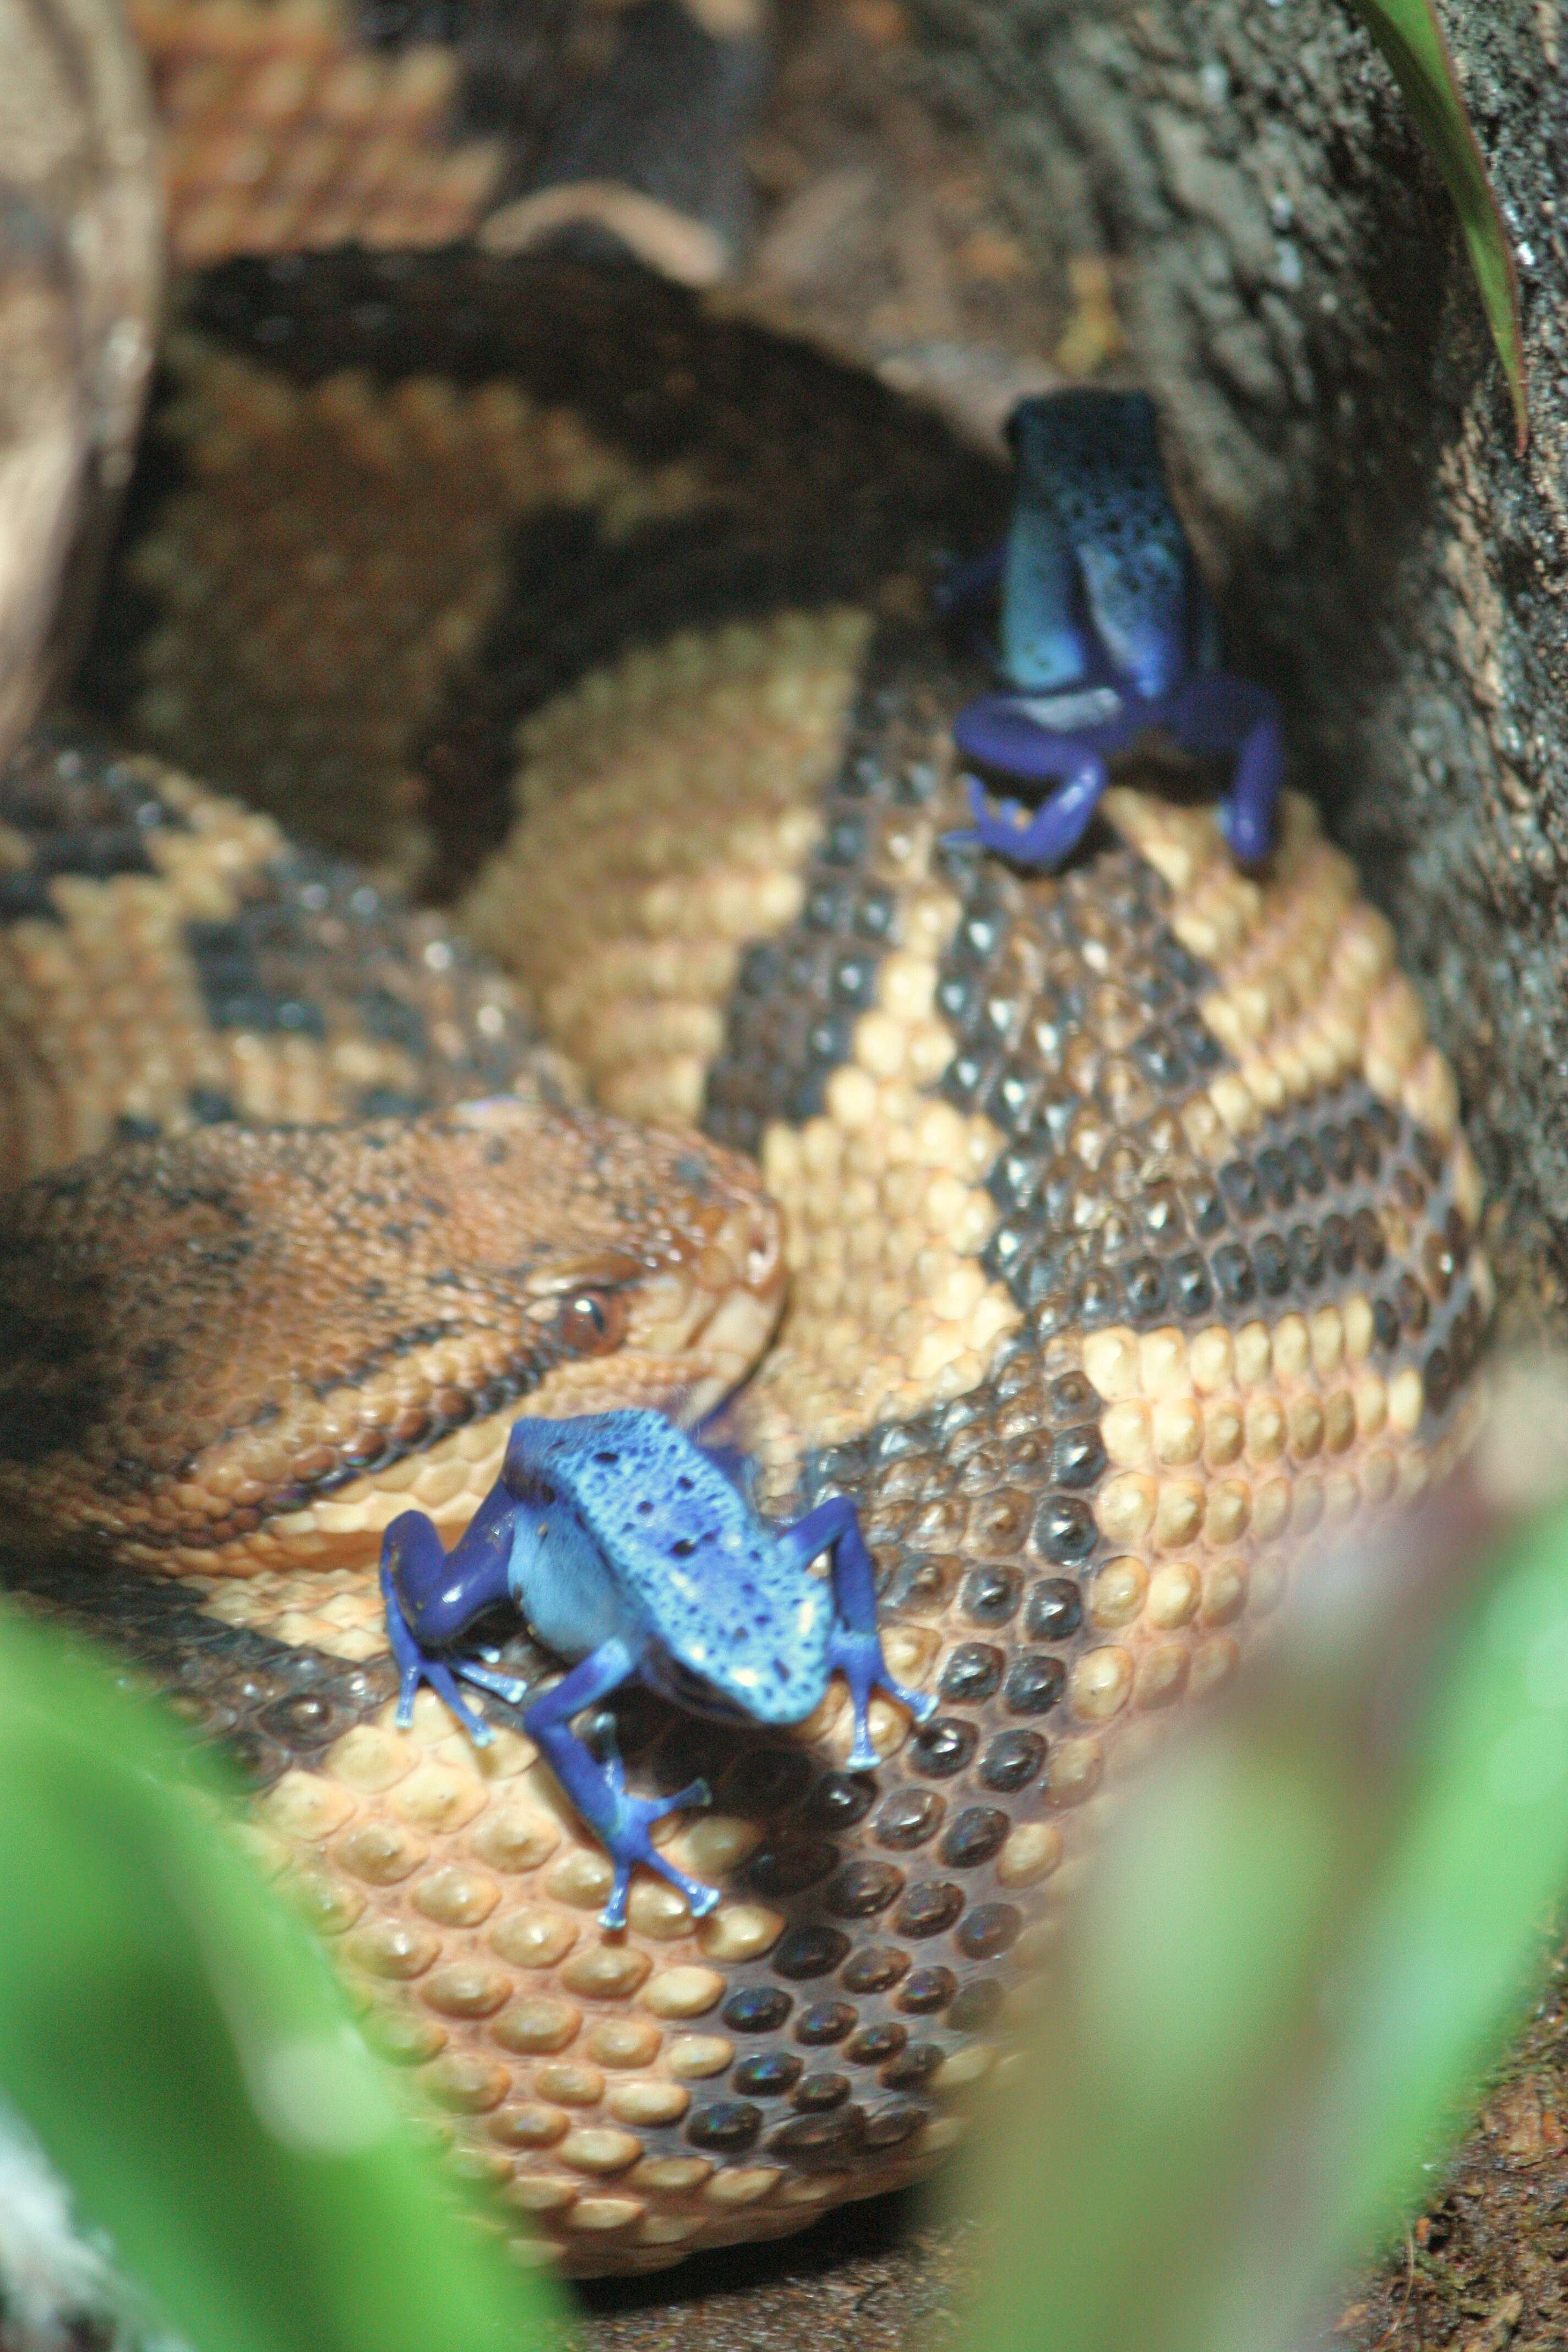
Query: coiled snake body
[[1127, 1227]]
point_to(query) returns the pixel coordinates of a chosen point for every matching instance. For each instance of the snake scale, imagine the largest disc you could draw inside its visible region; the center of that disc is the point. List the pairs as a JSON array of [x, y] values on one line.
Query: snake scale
[[1120, 1221]]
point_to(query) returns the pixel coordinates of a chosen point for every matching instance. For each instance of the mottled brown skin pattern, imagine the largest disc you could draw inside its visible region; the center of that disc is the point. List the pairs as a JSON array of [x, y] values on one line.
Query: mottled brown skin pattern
[[169, 961], [220, 1352], [1130, 1231]]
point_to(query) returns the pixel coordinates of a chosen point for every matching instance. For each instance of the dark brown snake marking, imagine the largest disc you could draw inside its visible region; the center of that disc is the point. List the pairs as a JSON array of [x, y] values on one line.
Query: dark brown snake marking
[[1129, 1229]]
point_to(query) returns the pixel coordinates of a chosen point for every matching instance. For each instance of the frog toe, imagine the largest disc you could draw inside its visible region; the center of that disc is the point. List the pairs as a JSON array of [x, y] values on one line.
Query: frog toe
[[703, 1898], [921, 1704], [1249, 832], [443, 1683], [416, 1665], [614, 1915], [691, 1799], [508, 1687], [630, 1843]]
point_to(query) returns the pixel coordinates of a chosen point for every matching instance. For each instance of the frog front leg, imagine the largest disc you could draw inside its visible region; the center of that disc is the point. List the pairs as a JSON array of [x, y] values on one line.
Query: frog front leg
[[968, 580], [433, 1596], [1047, 836], [1215, 714], [1001, 732], [856, 1646], [599, 1790], [964, 598]]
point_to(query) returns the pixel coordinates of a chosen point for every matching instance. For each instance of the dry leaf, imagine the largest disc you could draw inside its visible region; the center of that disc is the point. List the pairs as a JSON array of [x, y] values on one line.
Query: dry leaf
[[1527, 2130], [1501, 2321]]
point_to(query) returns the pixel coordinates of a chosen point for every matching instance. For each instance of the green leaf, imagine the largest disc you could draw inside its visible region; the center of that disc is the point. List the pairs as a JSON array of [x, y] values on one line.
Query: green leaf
[[1451, 1943], [1312, 1934], [179, 2045], [1411, 38]]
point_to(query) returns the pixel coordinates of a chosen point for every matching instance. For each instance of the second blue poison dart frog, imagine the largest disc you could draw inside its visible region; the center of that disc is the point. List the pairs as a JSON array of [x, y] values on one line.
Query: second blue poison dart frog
[[629, 1550], [1106, 631]]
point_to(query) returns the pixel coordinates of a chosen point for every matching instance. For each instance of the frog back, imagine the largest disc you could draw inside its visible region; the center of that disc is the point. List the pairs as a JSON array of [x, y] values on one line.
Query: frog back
[[709, 1579], [1093, 500]]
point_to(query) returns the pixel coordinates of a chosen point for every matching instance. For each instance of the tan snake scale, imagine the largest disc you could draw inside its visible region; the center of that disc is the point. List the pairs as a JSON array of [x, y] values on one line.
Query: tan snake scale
[[1124, 1232]]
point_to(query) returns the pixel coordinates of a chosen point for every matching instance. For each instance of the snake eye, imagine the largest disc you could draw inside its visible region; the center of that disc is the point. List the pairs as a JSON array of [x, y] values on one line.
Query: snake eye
[[590, 1322]]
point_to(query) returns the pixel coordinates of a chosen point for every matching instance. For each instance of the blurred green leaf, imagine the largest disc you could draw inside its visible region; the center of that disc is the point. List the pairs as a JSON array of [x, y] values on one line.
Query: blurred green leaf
[[1312, 1934], [1451, 1944], [1411, 38], [179, 2045]]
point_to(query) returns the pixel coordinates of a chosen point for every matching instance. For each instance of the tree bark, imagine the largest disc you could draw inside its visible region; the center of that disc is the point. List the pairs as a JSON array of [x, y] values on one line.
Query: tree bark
[[1298, 300], [80, 282]]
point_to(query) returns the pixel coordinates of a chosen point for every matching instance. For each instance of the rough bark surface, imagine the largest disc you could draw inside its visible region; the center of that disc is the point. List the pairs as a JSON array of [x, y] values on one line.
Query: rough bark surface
[[81, 276], [1297, 296]]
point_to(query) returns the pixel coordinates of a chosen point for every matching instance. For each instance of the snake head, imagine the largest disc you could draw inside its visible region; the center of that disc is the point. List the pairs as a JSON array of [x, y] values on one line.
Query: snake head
[[657, 1271], [240, 1348]]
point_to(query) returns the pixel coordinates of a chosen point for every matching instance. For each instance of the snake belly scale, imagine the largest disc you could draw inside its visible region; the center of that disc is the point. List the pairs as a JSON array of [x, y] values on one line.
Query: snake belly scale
[[1128, 1232]]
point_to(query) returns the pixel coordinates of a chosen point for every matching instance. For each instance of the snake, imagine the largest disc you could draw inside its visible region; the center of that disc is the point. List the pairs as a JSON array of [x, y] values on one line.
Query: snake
[[484, 940]]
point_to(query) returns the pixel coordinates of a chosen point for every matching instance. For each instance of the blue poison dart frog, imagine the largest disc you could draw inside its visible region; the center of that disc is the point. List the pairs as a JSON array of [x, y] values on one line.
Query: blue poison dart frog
[[629, 1550], [1105, 631]]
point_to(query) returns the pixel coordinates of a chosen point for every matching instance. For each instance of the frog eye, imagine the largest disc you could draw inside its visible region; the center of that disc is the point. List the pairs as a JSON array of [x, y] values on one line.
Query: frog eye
[[590, 1322]]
